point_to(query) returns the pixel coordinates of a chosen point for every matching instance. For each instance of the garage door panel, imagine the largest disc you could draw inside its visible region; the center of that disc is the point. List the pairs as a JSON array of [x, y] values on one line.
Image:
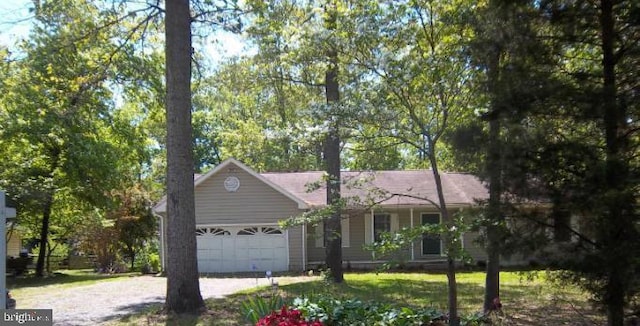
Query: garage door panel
[[228, 243], [235, 249], [243, 254], [267, 253]]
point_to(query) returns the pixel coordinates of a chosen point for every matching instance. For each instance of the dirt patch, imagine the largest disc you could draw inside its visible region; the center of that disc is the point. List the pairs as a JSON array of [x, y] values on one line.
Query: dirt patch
[[556, 313]]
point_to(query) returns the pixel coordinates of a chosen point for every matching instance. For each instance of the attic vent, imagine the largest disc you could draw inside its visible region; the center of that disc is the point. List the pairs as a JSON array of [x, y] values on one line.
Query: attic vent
[[231, 184]]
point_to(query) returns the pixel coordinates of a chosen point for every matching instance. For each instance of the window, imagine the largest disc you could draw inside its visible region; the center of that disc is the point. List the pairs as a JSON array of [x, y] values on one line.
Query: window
[[376, 223], [431, 244], [344, 226], [248, 231], [211, 231], [381, 224], [270, 230]]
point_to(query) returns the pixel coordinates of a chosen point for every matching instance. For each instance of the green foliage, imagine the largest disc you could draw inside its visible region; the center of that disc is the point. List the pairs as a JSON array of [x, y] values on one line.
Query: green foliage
[[258, 118], [56, 252], [99, 237], [256, 307], [134, 222], [66, 141], [391, 243], [560, 101], [154, 262], [148, 259], [532, 302], [332, 311], [477, 319]]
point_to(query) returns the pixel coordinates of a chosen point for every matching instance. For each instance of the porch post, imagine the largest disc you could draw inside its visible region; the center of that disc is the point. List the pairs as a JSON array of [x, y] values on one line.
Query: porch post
[[163, 244], [304, 247], [413, 254]]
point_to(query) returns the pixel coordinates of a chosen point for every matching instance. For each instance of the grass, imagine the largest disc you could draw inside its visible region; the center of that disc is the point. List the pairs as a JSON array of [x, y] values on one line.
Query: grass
[[63, 278], [25, 287], [528, 299]]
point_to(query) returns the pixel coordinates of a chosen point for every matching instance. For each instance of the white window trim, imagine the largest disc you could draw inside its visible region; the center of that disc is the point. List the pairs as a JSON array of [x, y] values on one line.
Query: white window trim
[[344, 228], [369, 225]]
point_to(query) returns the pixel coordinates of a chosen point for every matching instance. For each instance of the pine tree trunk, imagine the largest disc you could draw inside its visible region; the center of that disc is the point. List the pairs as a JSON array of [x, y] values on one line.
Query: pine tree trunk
[[492, 277], [183, 288], [333, 232], [616, 224], [494, 170]]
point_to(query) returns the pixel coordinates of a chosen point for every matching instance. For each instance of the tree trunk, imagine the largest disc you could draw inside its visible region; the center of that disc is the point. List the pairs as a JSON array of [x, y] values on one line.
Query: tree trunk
[[44, 234], [492, 277], [451, 264], [333, 232], [50, 250], [54, 153], [183, 288], [616, 223], [132, 255], [452, 285], [494, 171]]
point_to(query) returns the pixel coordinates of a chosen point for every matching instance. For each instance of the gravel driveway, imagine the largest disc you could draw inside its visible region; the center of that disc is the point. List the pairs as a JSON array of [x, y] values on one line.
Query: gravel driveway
[[107, 301]]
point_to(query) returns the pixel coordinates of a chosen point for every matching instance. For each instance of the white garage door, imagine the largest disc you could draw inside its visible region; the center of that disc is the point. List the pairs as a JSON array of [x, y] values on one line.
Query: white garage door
[[241, 249]]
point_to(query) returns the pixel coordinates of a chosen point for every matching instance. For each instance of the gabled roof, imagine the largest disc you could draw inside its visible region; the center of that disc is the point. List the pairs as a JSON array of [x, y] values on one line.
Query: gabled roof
[[277, 187], [161, 207], [386, 188]]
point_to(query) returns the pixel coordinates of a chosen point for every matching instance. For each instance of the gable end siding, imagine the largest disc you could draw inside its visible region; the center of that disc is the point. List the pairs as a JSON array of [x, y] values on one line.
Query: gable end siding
[[254, 203]]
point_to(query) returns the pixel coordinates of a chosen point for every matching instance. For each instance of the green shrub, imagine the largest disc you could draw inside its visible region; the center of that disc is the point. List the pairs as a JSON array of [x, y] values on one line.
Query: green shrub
[[475, 319], [257, 307], [331, 311], [154, 262]]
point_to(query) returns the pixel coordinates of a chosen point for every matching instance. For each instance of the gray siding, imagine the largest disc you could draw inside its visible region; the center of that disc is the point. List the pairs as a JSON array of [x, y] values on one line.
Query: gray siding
[[474, 249], [295, 249], [356, 253], [255, 202]]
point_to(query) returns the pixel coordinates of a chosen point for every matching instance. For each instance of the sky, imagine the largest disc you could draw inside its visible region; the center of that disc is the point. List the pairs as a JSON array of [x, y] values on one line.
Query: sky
[[15, 19]]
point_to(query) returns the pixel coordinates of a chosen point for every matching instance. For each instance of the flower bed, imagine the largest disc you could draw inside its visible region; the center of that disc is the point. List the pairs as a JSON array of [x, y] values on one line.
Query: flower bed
[[325, 310], [286, 317]]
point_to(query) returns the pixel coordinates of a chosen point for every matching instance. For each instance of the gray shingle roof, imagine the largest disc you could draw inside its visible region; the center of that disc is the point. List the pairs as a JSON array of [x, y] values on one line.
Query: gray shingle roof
[[385, 188], [408, 188]]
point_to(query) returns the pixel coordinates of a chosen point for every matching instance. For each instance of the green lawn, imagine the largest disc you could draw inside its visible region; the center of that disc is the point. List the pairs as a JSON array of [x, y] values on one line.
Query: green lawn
[[25, 286], [526, 301]]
